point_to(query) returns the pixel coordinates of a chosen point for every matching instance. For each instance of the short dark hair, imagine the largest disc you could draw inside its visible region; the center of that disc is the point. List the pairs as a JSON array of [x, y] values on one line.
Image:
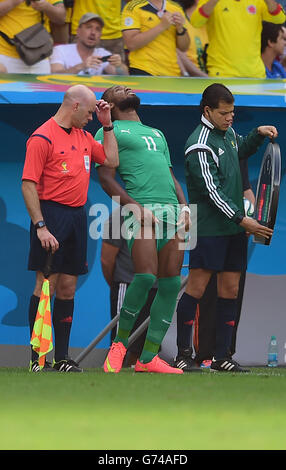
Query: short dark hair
[[215, 93], [107, 94], [270, 32]]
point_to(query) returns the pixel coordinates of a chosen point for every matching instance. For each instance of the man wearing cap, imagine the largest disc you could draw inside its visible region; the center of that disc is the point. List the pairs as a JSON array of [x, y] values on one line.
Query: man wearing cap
[[84, 57], [110, 11]]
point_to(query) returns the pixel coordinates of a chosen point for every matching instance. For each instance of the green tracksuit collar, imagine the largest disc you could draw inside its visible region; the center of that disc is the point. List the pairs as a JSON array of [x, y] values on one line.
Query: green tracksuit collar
[[208, 124]]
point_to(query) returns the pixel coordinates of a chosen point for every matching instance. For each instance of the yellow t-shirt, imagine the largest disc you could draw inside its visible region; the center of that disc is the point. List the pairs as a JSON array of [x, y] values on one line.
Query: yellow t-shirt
[[108, 10], [17, 19], [159, 56], [199, 39], [234, 31]]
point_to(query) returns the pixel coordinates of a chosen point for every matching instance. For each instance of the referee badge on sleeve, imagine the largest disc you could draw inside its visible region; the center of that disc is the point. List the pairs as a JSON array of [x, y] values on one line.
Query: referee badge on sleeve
[[86, 163]]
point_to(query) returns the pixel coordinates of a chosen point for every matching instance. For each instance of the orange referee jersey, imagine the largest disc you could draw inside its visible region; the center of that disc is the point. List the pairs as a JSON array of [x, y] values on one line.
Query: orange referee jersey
[[60, 163]]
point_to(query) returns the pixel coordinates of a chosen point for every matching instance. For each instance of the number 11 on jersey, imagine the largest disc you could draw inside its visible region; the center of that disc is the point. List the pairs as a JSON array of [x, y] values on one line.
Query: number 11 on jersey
[[150, 143]]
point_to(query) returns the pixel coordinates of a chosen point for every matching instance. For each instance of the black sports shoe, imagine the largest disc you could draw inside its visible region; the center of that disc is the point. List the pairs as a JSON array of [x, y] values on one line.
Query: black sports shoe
[[226, 365], [185, 362], [67, 365], [34, 367]]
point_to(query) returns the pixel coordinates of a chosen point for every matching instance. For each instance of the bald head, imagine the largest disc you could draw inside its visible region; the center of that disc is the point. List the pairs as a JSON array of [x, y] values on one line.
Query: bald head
[[77, 108], [78, 94]]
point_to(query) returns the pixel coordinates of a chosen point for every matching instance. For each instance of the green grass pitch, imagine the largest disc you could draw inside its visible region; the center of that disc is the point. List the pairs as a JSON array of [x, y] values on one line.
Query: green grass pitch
[[131, 411]]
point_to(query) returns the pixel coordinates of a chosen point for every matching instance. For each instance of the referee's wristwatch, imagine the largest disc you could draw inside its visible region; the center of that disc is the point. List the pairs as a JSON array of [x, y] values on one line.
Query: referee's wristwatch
[[40, 224]]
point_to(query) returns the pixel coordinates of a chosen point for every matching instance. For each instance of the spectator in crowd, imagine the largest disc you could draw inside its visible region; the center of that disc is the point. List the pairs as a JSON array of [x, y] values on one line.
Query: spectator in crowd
[[234, 31], [283, 57], [214, 183], [118, 271], [61, 33], [273, 42], [192, 62], [83, 56], [152, 33], [110, 12], [15, 17]]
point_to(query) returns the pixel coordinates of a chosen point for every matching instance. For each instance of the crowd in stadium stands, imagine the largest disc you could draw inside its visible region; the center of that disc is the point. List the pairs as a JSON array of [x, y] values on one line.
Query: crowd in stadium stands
[[197, 38], [17, 15], [83, 56]]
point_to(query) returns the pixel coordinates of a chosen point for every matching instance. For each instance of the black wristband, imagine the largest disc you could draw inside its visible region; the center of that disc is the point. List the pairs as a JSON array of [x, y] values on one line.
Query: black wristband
[[182, 33], [40, 224], [238, 219], [106, 129]]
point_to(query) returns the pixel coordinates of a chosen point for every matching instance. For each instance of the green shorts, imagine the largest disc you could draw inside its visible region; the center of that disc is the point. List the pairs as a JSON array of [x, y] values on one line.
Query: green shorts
[[165, 229]]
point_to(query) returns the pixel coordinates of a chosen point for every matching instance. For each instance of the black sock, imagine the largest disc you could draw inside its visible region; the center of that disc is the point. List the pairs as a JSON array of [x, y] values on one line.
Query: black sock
[[225, 320], [33, 307], [62, 322], [186, 312]]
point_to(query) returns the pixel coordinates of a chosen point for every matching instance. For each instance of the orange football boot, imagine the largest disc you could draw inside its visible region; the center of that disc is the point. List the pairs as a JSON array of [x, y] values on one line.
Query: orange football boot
[[157, 365], [115, 357]]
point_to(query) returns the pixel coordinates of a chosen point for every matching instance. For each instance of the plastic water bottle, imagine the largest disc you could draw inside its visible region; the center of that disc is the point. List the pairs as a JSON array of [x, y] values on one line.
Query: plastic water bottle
[[273, 352]]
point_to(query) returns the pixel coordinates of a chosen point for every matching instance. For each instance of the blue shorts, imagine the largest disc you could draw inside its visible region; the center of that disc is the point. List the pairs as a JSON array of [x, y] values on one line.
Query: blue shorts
[[220, 253], [69, 227]]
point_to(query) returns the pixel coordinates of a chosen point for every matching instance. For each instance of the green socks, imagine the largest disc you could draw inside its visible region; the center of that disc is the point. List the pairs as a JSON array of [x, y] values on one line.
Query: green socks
[[161, 314], [135, 298]]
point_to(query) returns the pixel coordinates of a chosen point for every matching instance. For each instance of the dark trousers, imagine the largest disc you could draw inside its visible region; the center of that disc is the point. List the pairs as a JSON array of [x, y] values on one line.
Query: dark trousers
[[205, 322]]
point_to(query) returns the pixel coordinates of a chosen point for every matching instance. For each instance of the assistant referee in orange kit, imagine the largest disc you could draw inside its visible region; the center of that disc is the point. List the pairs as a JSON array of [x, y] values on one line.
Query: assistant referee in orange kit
[[55, 184]]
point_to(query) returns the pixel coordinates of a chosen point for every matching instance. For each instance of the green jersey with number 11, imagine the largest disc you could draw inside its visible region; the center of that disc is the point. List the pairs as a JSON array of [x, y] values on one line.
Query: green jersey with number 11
[[144, 162]]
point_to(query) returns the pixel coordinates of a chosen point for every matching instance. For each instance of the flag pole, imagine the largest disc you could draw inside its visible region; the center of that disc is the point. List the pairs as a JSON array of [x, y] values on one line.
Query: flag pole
[[42, 336]]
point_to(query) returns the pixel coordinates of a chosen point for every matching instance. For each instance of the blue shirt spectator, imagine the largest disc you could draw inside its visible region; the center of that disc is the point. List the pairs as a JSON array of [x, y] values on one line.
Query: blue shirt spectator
[[273, 42], [277, 70]]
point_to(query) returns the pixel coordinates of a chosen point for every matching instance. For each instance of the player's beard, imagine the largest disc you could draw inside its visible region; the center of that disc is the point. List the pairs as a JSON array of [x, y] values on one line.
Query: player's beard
[[130, 102]]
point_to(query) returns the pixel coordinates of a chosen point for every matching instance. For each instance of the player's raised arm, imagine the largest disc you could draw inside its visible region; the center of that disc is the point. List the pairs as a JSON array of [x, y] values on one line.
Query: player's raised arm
[[110, 144]]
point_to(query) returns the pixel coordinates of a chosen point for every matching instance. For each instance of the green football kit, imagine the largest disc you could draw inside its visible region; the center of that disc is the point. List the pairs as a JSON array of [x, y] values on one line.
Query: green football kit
[[144, 167]]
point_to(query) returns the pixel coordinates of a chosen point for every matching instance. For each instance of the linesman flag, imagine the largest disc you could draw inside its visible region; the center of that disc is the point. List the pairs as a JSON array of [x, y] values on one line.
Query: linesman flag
[[42, 334]]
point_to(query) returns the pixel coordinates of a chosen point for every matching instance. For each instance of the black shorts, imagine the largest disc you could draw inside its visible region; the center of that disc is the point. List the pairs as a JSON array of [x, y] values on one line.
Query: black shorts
[[69, 227], [220, 253]]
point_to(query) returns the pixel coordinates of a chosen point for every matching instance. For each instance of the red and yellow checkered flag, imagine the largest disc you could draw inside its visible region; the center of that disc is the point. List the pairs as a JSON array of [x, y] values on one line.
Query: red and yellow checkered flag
[[42, 335]]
